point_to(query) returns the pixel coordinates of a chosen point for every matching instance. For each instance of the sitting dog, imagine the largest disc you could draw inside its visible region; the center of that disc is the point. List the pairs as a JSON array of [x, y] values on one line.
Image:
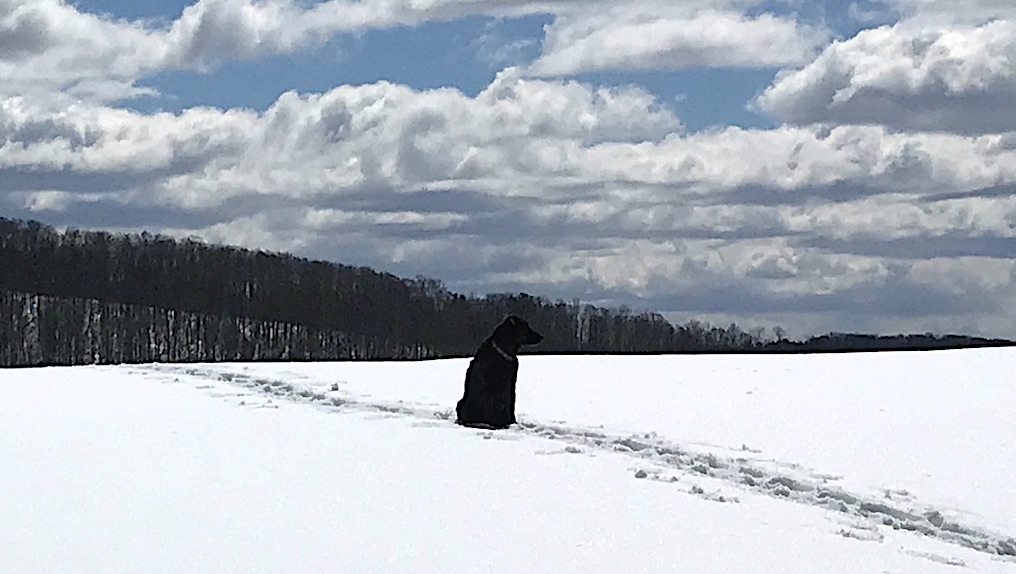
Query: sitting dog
[[489, 397]]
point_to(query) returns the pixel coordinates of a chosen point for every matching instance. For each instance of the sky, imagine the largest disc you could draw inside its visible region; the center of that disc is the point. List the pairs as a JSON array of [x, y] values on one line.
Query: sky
[[818, 166]]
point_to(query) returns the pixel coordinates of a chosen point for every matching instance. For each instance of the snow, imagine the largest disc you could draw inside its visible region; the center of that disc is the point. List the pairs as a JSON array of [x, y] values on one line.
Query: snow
[[895, 462]]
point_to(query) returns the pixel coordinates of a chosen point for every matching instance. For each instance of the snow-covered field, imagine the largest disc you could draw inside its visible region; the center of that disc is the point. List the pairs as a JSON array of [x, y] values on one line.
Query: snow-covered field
[[870, 463]]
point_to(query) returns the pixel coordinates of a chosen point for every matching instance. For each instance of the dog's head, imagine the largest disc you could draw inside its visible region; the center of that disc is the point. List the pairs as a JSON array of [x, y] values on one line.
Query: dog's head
[[519, 331]]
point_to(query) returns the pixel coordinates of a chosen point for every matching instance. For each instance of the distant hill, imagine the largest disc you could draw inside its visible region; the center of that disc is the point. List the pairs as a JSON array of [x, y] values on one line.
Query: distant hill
[[75, 296], [845, 342], [63, 288]]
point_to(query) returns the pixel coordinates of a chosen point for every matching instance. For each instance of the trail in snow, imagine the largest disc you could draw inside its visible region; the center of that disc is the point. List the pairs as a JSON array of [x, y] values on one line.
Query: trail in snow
[[718, 476]]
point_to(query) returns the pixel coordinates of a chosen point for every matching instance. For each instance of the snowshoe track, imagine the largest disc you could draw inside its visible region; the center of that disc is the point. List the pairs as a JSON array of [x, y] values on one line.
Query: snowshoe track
[[663, 460]]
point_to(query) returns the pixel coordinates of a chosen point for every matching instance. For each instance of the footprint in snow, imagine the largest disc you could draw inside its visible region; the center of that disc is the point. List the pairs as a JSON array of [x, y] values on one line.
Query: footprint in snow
[[565, 450], [947, 560]]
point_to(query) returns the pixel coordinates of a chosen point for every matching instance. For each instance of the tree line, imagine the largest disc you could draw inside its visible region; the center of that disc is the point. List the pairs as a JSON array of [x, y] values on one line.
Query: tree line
[[78, 297], [44, 330], [74, 296]]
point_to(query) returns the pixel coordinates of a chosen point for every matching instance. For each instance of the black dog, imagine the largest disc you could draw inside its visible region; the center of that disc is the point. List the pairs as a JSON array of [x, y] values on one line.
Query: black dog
[[489, 397]]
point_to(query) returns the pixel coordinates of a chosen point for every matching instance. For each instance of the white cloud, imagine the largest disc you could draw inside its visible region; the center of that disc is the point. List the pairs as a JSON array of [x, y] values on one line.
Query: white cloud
[[785, 165], [55, 50], [494, 48], [380, 134], [93, 139], [210, 32], [391, 136], [554, 187], [625, 38], [51, 48], [907, 76]]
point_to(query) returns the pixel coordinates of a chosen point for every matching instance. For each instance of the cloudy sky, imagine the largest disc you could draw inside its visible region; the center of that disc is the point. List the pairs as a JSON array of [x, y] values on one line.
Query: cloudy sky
[[824, 166]]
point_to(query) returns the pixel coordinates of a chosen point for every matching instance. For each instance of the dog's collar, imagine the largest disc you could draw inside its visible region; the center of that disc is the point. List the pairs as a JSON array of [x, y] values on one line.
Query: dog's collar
[[501, 352]]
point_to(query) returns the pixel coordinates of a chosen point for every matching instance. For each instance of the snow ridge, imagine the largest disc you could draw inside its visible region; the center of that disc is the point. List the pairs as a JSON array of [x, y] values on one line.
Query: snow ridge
[[658, 458]]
